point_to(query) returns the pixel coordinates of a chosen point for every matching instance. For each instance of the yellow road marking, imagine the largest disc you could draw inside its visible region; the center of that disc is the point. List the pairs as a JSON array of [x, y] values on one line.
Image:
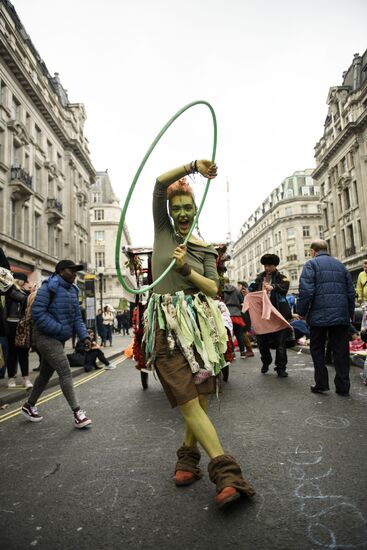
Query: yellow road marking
[[16, 412]]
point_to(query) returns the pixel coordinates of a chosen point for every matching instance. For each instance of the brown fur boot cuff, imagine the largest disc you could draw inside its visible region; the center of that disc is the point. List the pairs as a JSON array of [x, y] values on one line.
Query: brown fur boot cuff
[[225, 472], [188, 460]]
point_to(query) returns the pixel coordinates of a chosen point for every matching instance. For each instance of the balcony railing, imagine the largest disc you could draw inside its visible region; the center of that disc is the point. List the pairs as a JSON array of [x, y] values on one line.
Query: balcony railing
[[350, 251], [19, 174], [54, 204], [292, 258]]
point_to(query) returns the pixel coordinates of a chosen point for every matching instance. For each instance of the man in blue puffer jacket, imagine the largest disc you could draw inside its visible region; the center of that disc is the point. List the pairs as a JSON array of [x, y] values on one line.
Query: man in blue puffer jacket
[[56, 316], [327, 299]]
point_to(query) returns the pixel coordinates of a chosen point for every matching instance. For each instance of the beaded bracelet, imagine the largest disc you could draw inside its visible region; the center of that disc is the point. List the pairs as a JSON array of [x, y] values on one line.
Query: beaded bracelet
[[193, 167]]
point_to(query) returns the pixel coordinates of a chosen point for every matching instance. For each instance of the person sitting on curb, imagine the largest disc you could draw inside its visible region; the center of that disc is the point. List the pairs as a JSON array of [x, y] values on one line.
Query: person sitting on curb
[[90, 355]]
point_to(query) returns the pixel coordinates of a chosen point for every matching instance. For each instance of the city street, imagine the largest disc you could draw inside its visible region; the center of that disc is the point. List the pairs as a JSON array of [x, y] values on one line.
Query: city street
[[111, 486]]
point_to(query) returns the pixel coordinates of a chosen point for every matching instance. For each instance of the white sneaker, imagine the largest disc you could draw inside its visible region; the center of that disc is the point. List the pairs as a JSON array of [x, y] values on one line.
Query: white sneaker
[[27, 383], [11, 383], [80, 419], [109, 366]]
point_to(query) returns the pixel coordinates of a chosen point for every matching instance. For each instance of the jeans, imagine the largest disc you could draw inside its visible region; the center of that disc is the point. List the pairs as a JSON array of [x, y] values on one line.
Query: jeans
[[108, 333], [338, 336], [277, 340]]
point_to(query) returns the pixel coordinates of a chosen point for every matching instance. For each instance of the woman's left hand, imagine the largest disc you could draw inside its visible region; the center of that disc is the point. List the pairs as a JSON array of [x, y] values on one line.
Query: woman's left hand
[[179, 254]]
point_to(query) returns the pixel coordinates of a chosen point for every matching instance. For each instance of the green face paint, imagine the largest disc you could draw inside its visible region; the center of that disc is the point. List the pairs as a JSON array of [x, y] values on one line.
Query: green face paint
[[182, 210]]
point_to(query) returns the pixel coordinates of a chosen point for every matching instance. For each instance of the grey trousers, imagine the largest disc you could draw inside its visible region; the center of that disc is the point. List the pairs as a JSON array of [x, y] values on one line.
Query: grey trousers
[[53, 358]]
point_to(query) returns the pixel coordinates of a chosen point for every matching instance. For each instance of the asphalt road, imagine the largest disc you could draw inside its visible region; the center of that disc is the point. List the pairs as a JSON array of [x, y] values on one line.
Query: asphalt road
[[110, 486]]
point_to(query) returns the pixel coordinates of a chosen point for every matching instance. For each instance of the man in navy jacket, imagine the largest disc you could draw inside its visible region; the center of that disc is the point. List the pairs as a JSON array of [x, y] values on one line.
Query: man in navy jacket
[[56, 316], [327, 299]]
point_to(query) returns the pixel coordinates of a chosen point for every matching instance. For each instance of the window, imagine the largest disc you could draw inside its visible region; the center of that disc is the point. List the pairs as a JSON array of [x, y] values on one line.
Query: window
[[343, 164], [321, 231], [37, 224], [99, 215], [13, 217], [100, 259], [288, 211], [15, 108], [306, 230], [96, 197], [26, 224], [16, 155], [3, 93], [290, 233], [304, 208], [51, 239], [38, 135], [332, 215], [99, 236], [355, 193], [49, 150], [2, 145], [293, 274], [306, 191], [289, 194], [307, 251], [28, 121], [58, 243], [346, 197], [37, 178]]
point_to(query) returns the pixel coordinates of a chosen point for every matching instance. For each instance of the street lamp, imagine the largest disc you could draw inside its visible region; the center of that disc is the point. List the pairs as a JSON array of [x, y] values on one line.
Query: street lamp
[[100, 271]]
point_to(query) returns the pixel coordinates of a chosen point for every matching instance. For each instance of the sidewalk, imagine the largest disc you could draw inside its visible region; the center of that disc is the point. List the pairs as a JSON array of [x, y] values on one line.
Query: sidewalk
[[12, 395]]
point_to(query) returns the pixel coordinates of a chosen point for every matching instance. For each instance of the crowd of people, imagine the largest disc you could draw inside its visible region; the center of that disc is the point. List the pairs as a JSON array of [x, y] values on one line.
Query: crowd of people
[[190, 326]]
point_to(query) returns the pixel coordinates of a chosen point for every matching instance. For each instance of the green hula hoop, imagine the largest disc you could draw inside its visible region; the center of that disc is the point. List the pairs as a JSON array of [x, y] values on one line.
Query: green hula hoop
[[132, 187]]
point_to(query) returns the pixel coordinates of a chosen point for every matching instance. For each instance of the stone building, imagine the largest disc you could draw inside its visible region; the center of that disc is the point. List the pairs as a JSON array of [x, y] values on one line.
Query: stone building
[[45, 167], [105, 213], [341, 167], [285, 224]]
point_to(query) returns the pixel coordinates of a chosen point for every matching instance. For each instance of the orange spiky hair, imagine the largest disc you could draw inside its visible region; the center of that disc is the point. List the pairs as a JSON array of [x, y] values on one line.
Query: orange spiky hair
[[179, 187]]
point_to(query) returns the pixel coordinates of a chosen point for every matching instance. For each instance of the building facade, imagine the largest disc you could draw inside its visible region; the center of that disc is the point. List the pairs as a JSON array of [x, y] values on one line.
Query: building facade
[[105, 213], [341, 167], [286, 223], [45, 167]]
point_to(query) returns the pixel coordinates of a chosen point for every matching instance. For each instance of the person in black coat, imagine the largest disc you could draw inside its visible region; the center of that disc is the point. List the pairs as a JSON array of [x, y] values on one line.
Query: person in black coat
[[277, 285], [327, 300]]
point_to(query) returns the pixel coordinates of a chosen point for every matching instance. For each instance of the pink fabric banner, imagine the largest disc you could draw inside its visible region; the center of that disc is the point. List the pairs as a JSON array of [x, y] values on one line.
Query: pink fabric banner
[[264, 317]]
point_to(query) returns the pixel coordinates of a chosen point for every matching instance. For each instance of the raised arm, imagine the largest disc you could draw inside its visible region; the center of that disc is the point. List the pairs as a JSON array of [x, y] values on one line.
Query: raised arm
[[205, 167]]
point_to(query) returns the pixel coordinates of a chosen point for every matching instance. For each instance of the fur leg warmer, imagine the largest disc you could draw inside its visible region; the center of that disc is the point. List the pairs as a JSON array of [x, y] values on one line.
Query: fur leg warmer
[[225, 472]]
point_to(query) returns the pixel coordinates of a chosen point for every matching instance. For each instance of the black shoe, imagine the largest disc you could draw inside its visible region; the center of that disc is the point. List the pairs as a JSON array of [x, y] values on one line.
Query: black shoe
[[36, 369], [339, 392], [264, 369], [282, 373], [316, 389]]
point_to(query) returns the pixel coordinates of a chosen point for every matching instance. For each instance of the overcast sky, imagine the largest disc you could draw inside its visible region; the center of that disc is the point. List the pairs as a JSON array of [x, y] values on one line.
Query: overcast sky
[[265, 66]]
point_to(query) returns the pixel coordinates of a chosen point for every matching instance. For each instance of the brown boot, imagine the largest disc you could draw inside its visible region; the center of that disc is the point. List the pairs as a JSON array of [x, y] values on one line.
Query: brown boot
[[226, 474], [187, 467]]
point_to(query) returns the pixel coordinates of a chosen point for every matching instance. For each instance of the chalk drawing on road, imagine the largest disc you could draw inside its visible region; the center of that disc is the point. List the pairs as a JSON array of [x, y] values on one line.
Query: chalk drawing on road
[[327, 421], [333, 523]]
